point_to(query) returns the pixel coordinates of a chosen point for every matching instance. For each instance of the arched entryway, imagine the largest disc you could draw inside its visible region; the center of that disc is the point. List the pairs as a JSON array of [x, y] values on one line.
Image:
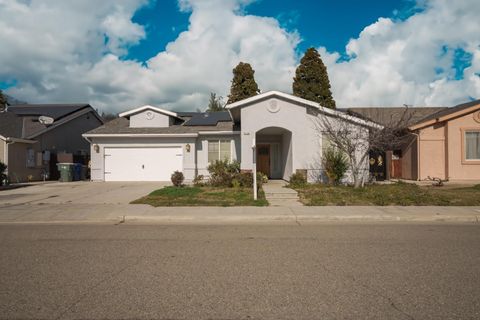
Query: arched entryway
[[274, 152]]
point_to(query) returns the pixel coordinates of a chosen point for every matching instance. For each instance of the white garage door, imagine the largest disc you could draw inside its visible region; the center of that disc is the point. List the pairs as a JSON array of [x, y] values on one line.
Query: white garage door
[[142, 164]]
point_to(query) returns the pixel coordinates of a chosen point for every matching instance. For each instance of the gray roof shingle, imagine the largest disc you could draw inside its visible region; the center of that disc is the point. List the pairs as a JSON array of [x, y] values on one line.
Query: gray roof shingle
[[11, 125], [393, 115], [121, 126], [447, 111], [55, 111]]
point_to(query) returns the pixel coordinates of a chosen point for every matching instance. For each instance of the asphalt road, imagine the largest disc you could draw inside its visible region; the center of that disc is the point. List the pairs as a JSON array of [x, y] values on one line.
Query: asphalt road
[[338, 271]]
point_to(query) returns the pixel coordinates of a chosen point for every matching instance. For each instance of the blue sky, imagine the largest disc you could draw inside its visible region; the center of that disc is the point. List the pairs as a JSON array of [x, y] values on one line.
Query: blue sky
[[173, 53], [320, 23]]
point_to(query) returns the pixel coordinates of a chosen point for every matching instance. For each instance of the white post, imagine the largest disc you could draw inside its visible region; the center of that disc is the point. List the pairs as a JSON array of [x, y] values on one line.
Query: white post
[[254, 169]]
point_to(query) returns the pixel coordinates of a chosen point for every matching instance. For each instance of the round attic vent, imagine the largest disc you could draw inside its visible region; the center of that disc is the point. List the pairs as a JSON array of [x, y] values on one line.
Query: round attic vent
[[149, 115], [273, 106], [476, 116]]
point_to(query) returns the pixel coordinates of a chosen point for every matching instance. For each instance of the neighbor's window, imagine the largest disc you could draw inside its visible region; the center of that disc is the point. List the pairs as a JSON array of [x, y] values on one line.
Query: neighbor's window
[[30, 158], [219, 150], [472, 145]]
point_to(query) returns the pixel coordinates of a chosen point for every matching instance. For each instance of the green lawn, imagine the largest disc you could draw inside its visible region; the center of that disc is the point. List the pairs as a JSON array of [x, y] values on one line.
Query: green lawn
[[401, 194], [202, 196]]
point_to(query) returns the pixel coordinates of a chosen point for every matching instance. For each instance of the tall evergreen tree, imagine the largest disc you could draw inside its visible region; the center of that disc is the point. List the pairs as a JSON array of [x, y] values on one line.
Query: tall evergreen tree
[[3, 100], [243, 83], [311, 80], [215, 103]]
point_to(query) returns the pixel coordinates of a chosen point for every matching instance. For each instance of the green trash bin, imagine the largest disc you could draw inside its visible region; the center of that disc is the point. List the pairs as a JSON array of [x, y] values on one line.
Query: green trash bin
[[66, 171]]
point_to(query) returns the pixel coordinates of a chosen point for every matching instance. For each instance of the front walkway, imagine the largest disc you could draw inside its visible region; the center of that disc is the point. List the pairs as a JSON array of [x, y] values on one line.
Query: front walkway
[[278, 195]]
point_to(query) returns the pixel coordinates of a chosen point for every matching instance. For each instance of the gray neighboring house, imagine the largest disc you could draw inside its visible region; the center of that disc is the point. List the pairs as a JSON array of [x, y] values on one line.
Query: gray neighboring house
[[33, 135], [272, 132]]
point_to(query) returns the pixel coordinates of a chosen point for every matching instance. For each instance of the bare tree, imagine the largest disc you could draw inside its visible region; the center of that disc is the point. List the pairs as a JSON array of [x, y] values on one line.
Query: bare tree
[[355, 137]]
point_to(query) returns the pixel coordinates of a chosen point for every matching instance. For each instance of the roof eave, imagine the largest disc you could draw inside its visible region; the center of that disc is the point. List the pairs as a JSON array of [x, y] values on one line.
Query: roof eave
[[140, 135], [444, 118]]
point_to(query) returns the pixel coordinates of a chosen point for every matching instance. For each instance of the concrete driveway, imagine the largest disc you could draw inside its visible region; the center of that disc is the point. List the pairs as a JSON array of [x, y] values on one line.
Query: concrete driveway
[[83, 192]]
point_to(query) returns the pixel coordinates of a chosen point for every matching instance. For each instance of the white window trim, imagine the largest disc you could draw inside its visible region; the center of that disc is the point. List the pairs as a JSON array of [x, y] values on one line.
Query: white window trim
[[465, 144], [219, 149]]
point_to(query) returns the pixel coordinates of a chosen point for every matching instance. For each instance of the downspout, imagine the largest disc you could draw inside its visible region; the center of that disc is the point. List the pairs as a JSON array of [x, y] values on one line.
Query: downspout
[[418, 155]]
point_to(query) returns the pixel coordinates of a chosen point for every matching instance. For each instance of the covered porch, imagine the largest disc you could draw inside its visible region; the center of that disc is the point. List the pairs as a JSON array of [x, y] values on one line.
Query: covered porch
[[273, 152]]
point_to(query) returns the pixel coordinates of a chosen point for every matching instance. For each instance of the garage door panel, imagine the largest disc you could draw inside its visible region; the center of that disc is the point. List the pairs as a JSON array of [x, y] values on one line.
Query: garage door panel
[[142, 164]]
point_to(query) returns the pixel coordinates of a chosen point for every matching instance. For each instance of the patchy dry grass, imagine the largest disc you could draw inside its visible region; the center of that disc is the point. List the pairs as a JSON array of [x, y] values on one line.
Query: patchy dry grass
[[202, 196], [398, 194]]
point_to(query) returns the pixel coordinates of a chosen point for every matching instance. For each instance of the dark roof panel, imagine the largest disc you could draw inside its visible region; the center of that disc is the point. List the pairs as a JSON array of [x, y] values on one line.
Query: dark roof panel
[[55, 111], [208, 118], [186, 113]]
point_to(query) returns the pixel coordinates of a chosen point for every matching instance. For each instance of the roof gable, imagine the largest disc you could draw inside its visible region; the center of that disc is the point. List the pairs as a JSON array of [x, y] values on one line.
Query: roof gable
[[20, 121], [148, 107], [298, 101]]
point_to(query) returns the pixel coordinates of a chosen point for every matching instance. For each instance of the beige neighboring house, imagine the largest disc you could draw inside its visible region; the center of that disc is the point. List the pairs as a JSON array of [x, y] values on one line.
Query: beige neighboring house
[[33, 136], [443, 142], [449, 143]]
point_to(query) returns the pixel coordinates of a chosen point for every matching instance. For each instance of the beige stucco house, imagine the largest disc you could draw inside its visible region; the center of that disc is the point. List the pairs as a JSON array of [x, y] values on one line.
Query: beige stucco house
[[448, 143], [33, 135], [272, 132]]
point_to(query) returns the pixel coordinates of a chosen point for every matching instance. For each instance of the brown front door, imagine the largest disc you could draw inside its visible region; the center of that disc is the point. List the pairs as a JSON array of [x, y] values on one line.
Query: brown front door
[[263, 159], [396, 168]]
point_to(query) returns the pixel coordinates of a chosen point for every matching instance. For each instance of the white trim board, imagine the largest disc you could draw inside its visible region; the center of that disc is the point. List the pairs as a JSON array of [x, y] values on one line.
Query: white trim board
[[148, 107]]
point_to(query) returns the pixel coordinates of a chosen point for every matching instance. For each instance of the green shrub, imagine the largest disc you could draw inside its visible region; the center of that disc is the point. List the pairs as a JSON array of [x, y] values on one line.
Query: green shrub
[[222, 172], [3, 176], [199, 181], [245, 179], [177, 178], [261, 179], [335, 165], [298, 180], [236, 184]]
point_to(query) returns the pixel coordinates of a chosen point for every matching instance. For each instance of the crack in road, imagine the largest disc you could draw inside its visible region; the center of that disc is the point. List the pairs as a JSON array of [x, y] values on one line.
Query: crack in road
[[296, 217]]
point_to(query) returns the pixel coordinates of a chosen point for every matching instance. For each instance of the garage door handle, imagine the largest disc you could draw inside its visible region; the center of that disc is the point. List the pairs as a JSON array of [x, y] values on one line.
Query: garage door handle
[[143, 166]]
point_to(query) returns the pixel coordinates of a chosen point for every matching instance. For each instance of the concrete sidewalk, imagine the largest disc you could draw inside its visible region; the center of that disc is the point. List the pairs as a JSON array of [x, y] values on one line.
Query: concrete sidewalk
[[126, 213]]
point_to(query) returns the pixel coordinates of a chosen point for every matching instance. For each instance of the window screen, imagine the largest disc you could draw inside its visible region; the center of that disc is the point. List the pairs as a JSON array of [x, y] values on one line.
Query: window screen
[[472, 145]]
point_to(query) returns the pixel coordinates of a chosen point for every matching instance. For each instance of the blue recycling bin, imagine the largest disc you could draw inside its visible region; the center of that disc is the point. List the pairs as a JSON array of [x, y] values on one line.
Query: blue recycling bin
[[77, 172]]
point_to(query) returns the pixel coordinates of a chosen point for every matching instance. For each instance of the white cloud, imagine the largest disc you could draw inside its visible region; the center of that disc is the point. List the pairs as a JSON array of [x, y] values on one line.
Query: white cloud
[[74, 51], [405, 62], [77, 63], [120, 31]]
